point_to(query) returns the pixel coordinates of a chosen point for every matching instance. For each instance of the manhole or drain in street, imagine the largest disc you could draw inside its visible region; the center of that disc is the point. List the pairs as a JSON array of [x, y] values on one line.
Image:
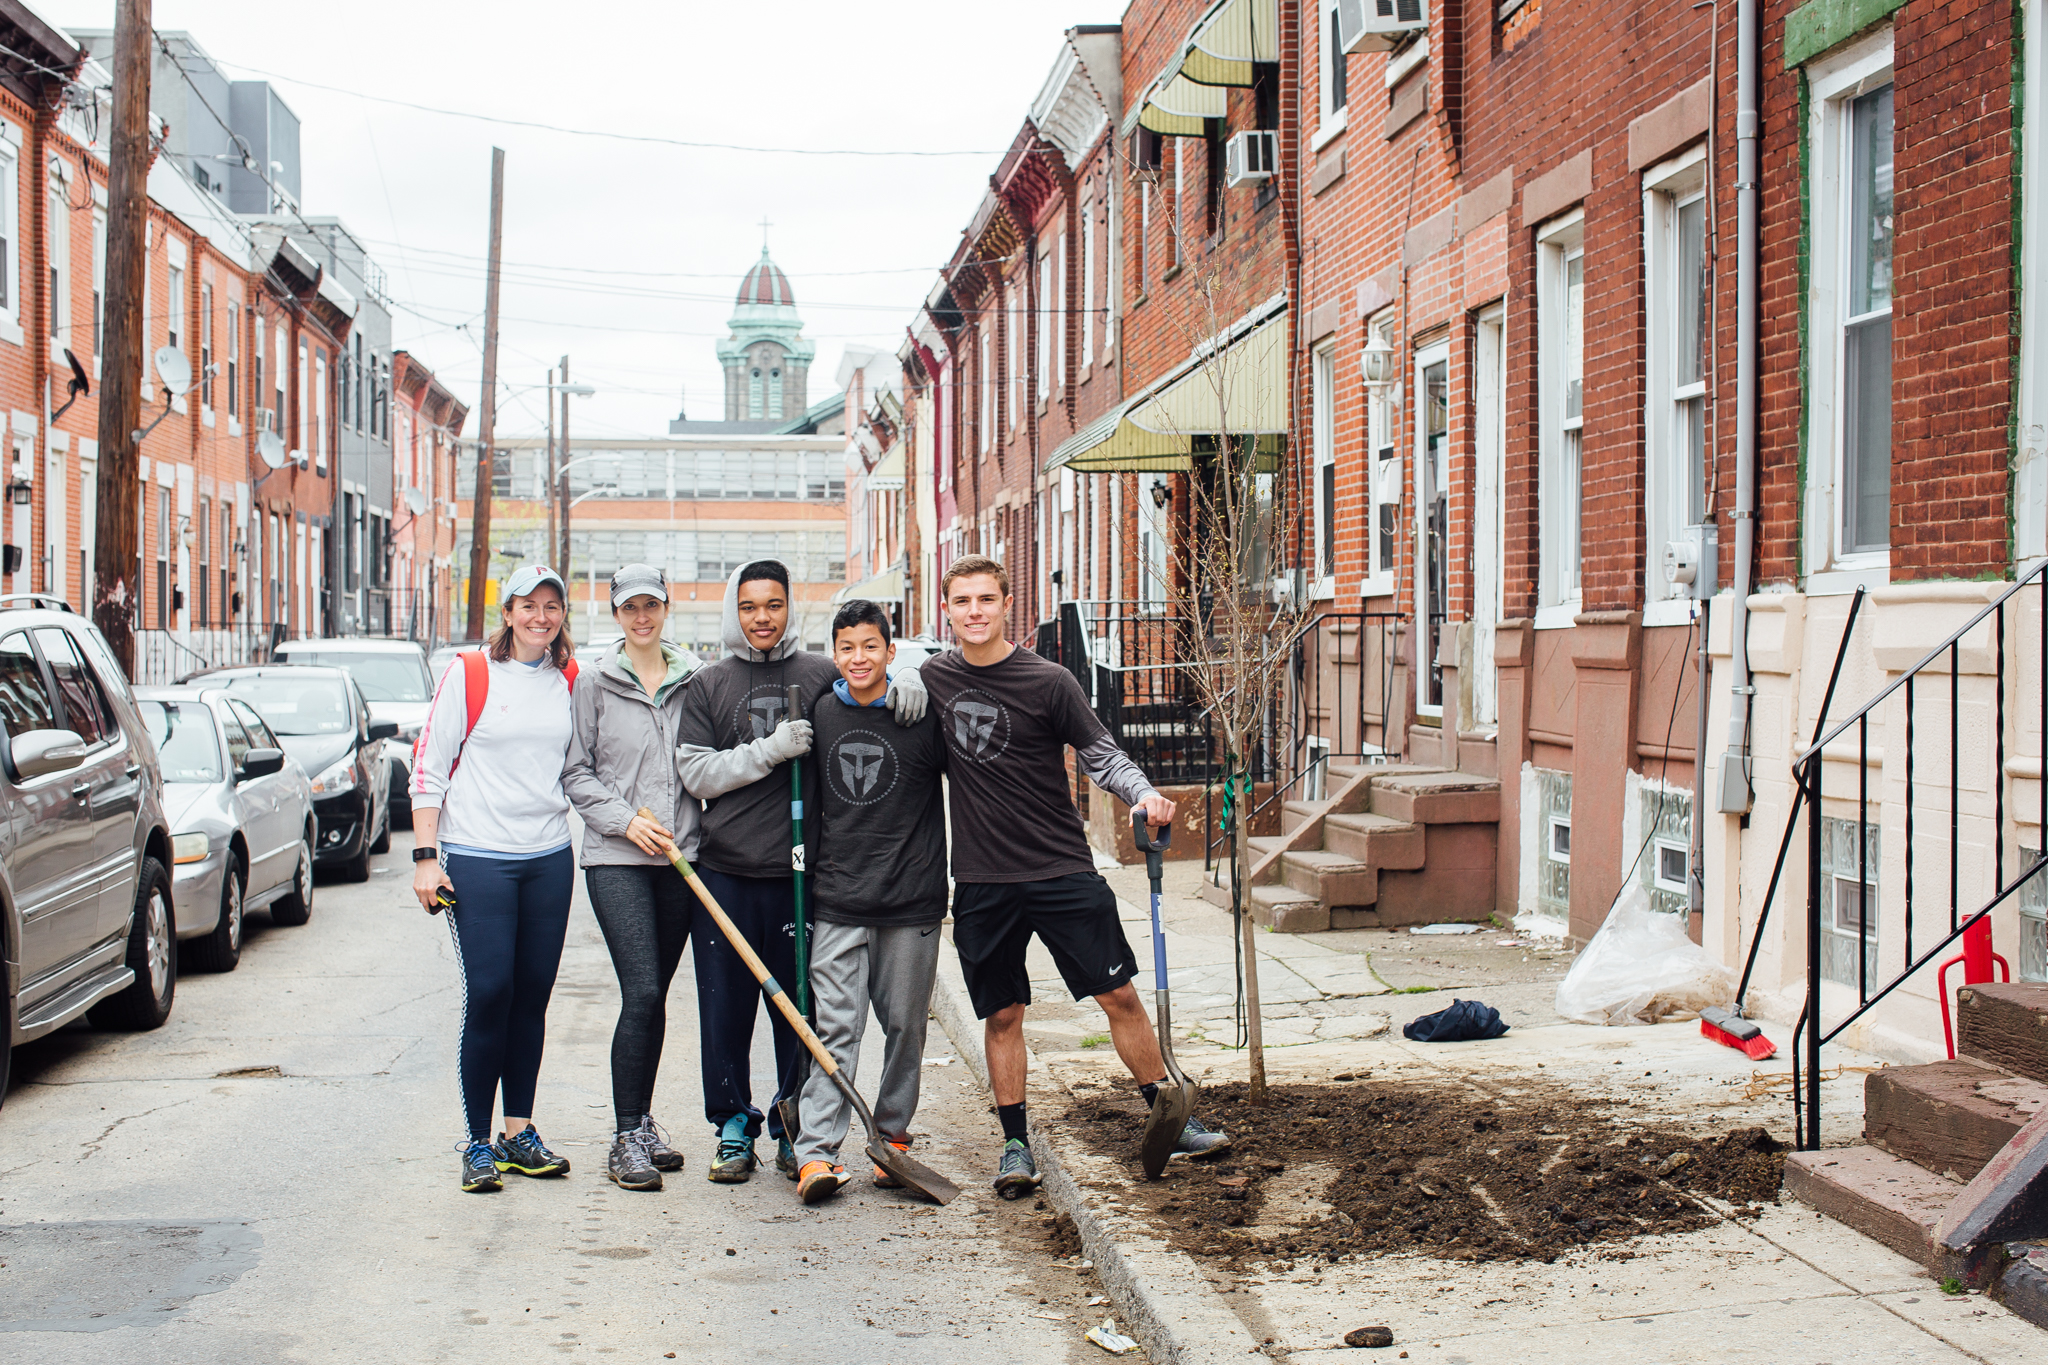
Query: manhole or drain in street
[[93, 1276]]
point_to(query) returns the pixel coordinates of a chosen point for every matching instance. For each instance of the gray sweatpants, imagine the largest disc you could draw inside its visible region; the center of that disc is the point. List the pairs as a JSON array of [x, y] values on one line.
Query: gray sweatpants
[[852, 968]]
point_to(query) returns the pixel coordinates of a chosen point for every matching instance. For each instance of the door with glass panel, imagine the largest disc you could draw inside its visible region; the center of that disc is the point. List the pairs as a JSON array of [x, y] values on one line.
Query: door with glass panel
[[1431, 486]]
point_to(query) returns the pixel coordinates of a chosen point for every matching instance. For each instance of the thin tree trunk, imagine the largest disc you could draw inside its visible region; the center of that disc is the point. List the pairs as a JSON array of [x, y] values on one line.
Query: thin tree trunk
[[1255, 1044]]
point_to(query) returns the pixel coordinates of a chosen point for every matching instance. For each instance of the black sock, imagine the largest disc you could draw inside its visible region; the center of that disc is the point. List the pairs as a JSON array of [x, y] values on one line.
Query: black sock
[[1150, 1090], [1012, 1117]]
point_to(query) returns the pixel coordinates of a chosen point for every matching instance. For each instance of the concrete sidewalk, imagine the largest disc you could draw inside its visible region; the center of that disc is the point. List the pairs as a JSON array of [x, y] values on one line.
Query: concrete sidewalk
[[1789, 1286]]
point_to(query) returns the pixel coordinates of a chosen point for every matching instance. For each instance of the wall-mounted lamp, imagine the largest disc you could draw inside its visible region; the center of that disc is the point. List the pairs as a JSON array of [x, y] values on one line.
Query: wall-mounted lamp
[[1376, 361], [21, 492], [1161, 494]]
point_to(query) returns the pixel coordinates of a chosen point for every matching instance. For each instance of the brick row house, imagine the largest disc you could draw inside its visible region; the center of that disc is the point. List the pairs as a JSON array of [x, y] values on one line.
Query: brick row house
[[1485, 273], [236, 497]]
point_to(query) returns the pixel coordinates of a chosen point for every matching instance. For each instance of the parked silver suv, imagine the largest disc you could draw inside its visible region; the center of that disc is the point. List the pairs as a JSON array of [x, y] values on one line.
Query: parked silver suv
[[85, 855]]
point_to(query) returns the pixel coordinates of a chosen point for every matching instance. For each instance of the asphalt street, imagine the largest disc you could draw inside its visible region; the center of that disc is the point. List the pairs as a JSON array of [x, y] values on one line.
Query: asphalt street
[[272, 1177]]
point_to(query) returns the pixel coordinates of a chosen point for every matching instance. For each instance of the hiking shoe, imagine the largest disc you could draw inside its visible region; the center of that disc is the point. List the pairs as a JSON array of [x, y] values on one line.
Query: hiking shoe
[[885, 1181], [734, 1162], [479, 1169], [664, 1157], [819, 1181], [525, 1153], [1199, 1139], [1017, 1174], [785, 1158], [631, 1165]]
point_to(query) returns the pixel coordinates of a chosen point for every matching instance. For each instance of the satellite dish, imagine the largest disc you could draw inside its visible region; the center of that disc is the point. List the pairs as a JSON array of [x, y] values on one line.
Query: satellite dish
[[271, 449], [417, 501], [174, 370], [78, 383]]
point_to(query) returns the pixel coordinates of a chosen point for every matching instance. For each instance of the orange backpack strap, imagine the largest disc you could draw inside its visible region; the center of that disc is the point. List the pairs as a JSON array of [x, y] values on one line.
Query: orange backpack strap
[[569, 675], [476, 685]]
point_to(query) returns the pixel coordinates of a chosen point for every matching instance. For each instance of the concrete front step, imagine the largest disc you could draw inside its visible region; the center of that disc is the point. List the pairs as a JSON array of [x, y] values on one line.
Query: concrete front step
[[1376, 840], [1884, 1197], [1335, 879], [1950, 1117], [1437, 798], [1274, 905], [2005, 1024]]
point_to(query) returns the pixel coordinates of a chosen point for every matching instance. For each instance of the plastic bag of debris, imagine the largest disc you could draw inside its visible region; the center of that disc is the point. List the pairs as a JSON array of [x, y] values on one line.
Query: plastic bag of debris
[[1640, 968]]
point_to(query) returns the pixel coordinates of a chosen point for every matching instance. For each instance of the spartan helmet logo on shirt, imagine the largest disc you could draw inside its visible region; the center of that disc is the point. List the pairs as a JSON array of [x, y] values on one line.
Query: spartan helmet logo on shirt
[[980, 726], [861, 767], [766, 713]]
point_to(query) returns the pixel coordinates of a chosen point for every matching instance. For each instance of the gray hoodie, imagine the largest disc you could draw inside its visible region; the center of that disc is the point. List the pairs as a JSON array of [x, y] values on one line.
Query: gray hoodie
[[621, 757], [729, 709]]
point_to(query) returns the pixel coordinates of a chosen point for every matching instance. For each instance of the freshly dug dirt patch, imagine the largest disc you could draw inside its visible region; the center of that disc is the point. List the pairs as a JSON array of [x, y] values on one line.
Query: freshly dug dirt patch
[[1325, 1172]]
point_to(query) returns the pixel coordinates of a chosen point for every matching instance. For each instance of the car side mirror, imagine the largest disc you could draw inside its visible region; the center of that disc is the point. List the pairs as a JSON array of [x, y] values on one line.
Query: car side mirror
[[260, 763], [383, 729], [46, 751]]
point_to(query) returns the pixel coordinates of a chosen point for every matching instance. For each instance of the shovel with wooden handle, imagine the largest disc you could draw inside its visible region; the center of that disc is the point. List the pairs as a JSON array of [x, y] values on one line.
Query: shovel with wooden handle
[[1175, 1100], [914, 1174]]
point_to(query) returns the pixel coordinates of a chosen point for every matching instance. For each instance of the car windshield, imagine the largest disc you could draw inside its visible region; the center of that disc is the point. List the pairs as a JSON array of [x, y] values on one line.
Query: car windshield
[[308, 704], [383, 677], [187, 746]]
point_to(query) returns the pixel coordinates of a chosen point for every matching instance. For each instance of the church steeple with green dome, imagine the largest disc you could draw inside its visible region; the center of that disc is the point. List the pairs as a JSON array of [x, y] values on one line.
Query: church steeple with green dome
[[767, 359]]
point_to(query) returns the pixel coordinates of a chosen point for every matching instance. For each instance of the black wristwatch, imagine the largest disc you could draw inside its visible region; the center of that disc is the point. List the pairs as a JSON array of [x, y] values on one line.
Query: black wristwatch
[[425, 855]]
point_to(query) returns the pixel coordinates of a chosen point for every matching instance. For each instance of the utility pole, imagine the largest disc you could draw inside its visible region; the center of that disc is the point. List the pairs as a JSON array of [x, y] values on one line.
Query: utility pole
[[553, 464], [116, 549], [562, 476], [486, 461]]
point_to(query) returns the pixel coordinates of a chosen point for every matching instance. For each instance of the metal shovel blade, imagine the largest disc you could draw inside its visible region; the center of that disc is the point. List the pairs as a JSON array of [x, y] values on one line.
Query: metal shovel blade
[[914, 1174], [1171, 1109]]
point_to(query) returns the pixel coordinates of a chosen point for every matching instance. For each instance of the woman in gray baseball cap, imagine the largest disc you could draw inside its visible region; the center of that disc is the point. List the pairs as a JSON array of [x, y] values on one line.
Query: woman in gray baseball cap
[[622, 759]]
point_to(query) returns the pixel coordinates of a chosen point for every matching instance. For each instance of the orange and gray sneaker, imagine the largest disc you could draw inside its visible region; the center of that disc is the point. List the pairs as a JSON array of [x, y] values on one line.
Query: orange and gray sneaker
[[885, 1181], [819, 1181]]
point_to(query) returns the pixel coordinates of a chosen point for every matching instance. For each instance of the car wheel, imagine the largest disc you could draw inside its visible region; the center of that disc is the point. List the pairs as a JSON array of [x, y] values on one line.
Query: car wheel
[[221, 950], [296, 905], [152, 956], [357, 869]]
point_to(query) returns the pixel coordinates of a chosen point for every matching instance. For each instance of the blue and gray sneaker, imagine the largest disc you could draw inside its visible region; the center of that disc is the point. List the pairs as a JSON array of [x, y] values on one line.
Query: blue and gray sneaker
[[479, 1169], [1199, 1139], [785, 1158], [1017, 1174], [525, 1153], [734, 1162]]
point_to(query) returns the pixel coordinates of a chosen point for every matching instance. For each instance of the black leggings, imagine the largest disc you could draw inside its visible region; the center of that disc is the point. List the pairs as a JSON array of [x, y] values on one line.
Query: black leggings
[[645, 914], [509, 920]]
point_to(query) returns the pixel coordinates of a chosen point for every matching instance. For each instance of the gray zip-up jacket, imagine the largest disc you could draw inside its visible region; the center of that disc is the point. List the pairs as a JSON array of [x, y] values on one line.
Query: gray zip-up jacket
[[622, 757]]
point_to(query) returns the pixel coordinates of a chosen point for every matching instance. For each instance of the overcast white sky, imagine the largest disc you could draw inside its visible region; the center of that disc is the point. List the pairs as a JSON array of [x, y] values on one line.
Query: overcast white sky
[[860, 237]]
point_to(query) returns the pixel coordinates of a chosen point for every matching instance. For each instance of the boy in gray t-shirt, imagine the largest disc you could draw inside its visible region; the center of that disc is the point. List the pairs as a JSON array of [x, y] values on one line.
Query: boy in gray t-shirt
[[878, 875]]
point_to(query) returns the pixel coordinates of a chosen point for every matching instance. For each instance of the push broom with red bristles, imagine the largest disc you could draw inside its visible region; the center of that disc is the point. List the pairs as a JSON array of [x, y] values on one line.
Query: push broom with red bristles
[[1730, 1029]]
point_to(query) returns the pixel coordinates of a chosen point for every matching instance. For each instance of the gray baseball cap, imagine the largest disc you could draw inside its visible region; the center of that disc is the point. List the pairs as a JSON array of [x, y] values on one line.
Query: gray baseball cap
[[638, 580]]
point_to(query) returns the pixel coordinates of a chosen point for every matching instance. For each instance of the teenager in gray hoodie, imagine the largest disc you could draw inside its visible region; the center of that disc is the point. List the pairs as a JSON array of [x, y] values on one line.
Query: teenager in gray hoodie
[[737, 742], [628, 712]]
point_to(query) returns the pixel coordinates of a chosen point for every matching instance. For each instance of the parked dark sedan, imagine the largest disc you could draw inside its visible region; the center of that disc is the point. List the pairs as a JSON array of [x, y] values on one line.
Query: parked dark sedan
[[321, 719]]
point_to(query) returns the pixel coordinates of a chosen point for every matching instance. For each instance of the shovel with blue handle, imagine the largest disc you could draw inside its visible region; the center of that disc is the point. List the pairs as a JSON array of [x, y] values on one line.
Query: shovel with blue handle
[[1175, 1100]]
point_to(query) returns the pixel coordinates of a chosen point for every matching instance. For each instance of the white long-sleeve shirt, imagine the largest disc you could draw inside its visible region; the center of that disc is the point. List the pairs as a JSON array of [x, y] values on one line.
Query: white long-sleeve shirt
[[506, 793]]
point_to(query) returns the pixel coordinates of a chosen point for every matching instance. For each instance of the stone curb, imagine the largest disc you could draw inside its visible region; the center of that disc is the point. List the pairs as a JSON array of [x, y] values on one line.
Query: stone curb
[[1161, 1296]]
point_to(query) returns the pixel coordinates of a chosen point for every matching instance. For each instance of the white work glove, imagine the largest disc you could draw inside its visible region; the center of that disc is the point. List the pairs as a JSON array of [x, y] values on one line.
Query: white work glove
[[907, 696], [790, 740]]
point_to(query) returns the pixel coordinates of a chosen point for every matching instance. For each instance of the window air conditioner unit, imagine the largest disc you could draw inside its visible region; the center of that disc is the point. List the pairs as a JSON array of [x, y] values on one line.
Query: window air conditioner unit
[[1250, 158], [1379, 25]]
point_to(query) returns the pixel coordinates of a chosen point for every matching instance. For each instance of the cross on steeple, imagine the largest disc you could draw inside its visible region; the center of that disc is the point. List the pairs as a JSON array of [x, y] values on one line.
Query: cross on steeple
[[765, 225]]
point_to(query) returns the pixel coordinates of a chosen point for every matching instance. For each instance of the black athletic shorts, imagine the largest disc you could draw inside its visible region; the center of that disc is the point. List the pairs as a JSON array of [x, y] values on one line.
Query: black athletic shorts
[[1074, 917]]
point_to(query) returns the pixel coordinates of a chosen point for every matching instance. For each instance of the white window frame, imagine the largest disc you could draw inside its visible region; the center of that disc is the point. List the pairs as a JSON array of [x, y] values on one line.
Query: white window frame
[[1045, 315], [305, 408], [2030, 477], [1560, 494], [10, 228], [1088, 268], [320, 411], [985, 378], [99, 287], [1013, 348], [1329, 121], [1420, 363], [1155, 547], [1385, 477], [1668, 188], [59, 251], [1833, 84], [1323, 419]]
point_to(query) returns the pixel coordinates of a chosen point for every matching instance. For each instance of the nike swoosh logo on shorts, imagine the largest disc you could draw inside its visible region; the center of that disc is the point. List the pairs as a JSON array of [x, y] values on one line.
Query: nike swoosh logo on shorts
[[929, 932]]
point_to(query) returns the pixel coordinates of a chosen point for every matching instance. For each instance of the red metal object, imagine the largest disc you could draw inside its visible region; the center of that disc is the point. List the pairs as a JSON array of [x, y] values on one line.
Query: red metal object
[[1976, 958]]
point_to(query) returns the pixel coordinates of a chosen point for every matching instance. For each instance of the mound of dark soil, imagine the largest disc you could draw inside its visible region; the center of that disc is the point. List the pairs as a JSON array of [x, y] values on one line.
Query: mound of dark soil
[[1326, 1172]]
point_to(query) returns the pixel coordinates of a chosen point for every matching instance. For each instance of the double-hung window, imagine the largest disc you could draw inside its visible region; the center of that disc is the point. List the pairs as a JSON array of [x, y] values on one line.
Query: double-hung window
[[1087, 284], [1675, 415], [234, 359], [59, 248], [1561, 361], [1045, 263], [1849, 311], [206, 347], [10, 233], [1383, 478], [1332, 73], [985, 380], [1323, 376], [99, 285]]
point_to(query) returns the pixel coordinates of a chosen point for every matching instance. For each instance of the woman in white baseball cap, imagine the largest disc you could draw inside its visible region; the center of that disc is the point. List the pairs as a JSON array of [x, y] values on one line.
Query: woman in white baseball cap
[[491, 846], [622, 760]]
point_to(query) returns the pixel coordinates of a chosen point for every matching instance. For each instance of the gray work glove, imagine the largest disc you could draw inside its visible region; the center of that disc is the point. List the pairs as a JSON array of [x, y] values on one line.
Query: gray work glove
[[790, 740], [907, 697]]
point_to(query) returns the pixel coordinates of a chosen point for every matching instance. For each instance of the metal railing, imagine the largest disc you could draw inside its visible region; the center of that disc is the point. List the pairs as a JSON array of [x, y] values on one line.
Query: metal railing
[[1132, 663], [163, 657], [1808, 771]]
